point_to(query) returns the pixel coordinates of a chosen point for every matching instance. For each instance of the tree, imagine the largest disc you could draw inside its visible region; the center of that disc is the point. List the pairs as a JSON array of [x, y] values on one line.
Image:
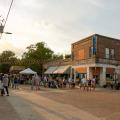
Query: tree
[[68, 56], [8, 57], [37, 55], [57, 56]]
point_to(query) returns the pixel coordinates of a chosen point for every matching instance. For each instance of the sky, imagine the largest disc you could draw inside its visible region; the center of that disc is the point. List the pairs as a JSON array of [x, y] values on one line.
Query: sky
[[58, 23]]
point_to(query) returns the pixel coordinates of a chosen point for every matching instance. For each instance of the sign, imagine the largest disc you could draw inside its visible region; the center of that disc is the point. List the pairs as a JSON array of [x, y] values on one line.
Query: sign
[[94, 44]]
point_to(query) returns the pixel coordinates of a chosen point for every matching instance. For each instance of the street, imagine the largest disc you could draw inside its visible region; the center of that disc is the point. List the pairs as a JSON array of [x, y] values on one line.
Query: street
[[70, 104]]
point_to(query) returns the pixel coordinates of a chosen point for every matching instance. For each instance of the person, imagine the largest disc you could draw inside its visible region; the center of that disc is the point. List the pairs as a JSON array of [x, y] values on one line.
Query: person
[[37, 82], [45, 81], [70, 81], [89, 81], [16, 82], [93, 83], [5, 83], [32, 82], [83, 83], [112, 84], [64, 82], [1, 87]]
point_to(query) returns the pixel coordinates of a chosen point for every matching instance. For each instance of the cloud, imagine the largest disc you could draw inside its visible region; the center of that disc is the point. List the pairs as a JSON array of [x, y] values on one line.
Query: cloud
[[59, 22]]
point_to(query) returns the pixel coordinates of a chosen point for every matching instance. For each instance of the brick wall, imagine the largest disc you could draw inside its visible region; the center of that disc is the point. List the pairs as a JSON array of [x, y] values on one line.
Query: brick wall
[[80, 49], [106, 42]]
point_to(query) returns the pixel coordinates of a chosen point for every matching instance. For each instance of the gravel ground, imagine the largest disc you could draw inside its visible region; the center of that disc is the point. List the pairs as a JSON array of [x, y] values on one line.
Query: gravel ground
[[101, 103], [7, 111], [56, 104]]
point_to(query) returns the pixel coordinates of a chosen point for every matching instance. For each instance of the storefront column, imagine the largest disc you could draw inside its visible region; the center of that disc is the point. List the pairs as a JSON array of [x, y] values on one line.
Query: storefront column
[[74, 75], [89, 73], [102, 76], [71, 72]]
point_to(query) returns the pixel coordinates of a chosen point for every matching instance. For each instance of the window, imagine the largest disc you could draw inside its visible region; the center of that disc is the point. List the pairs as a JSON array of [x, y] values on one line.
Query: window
[[107, 53], [112, 53]]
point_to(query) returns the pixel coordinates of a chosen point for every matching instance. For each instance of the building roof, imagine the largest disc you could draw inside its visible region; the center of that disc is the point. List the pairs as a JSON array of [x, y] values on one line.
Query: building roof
[[82, 40], [62, 70], [50, 70]]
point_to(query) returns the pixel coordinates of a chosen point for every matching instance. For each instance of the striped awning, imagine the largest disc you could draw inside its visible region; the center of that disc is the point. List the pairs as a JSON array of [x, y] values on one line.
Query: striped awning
[[62, 70], [50, 70]]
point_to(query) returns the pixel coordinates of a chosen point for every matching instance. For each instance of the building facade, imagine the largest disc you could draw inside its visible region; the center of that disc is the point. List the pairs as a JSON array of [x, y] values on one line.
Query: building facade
[[96, 56]]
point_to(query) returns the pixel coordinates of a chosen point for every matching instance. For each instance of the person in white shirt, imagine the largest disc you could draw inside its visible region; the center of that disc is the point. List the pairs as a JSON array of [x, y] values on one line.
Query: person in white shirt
[[5, 83]]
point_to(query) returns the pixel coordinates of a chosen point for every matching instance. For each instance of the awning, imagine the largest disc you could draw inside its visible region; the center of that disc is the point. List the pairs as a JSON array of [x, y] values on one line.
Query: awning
[[62, 70], [81, 70], [28, 71], [50, 70]]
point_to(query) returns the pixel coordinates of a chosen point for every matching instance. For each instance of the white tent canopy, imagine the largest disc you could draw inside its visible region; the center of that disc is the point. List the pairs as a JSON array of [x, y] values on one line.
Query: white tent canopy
[[28, 71]]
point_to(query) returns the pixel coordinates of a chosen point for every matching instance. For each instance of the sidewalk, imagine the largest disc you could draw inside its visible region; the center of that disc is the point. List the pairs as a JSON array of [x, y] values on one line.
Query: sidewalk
[[7, 112]]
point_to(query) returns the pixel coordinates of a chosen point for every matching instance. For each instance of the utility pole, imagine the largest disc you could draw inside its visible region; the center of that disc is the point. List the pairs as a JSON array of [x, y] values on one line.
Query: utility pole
[[2, 26]]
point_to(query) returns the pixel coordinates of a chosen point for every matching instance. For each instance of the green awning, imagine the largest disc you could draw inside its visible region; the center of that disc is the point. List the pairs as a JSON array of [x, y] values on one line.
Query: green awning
[[62, 70], [50, 70]]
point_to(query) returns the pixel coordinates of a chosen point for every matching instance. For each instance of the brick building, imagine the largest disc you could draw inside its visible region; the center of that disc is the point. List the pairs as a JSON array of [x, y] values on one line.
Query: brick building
[[96, 56]]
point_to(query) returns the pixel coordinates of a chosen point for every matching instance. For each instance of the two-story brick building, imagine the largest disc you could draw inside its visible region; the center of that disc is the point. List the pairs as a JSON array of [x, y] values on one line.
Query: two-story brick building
[[96, 56]]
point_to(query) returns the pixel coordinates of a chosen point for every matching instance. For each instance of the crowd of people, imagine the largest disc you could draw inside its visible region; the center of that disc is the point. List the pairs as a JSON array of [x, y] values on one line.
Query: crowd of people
[[13, 81], [62, 82], [88, 84]]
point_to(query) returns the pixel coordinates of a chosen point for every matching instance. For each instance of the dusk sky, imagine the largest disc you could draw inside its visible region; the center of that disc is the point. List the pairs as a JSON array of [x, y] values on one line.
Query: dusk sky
[[57, 22]]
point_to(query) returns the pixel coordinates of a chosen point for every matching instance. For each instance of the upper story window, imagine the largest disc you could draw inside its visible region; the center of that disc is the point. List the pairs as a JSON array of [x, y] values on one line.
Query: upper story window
[[112, 53], [107, 53]]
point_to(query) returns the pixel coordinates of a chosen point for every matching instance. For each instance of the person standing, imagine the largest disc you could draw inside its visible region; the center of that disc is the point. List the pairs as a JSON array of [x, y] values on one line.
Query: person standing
[[5, 83], [32, 82], [93, 83], [37, 82], [1, 87]]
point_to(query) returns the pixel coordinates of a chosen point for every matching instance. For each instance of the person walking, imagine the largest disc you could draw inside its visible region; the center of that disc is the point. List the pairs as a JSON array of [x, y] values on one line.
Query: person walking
[[37, 82], [5, 83]]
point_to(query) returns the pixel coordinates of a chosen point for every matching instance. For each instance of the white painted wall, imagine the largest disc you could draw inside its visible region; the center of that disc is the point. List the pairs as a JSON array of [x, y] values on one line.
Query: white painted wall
[[102, 76]]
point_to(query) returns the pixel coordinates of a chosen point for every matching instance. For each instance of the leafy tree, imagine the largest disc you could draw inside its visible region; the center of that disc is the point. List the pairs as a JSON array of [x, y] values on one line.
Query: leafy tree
[[37, 55], [68, 56], [8, 57], [4, 68], [57, 56]]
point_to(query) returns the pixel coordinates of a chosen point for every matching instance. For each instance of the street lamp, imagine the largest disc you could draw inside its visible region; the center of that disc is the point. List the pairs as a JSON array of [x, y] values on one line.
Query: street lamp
[[2, 31], [2, 25]]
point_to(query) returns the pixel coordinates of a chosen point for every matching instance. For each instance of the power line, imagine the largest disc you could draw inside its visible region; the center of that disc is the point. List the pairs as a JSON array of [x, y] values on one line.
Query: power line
[[8, 13]]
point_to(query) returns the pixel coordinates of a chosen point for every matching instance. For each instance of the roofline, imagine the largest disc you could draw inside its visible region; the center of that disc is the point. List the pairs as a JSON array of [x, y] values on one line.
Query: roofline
[[97, 35], [83, 39], [108, 37]]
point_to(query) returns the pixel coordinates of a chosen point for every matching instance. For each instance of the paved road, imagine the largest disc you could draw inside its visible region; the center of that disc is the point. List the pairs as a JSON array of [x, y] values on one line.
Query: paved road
[[33, 106]]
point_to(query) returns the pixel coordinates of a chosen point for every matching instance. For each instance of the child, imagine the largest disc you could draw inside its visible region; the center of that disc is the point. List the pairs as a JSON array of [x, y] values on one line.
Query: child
[[1, 88]]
